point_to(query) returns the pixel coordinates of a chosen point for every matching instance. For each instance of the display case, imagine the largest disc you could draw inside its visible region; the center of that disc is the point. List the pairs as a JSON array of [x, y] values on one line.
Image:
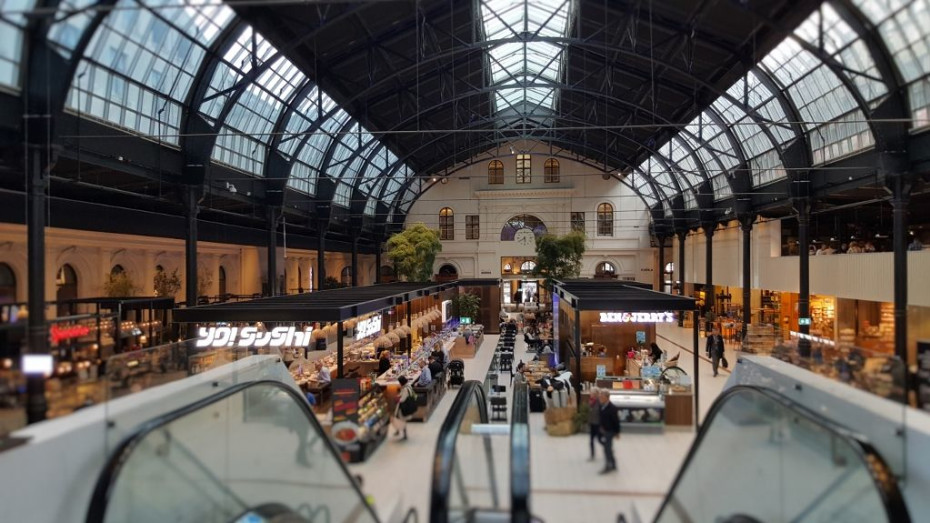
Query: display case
[[644, 407], [760, 339], [374, 416]]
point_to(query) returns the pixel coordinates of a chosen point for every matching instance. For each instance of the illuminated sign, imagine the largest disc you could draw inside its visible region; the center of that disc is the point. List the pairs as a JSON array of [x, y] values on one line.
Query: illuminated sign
[[252, 337], [37, 364], [637, 317], [66, 333], [368, 327]]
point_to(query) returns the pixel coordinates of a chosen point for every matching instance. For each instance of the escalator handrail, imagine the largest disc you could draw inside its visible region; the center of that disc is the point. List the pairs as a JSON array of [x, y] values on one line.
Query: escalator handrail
[[96, 512], [882, 476], [444, 460], [520, 455]]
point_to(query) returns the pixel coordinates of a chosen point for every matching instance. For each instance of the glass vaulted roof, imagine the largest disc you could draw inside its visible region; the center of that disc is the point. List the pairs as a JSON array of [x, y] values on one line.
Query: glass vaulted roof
[[12, 25], [523, 70]]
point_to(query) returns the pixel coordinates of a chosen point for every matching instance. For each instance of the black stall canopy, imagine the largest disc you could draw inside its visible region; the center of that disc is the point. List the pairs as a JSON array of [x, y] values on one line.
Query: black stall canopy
[[630, 297], [327, 306], [332, 305]]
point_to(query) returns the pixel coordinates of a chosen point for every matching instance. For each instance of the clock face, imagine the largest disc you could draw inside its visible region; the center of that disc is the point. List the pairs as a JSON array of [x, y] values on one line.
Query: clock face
[[525, 236]]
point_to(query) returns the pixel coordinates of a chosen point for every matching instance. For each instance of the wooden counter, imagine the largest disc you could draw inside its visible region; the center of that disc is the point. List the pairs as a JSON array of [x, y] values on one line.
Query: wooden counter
[[462, 350], [679, 409], [613, 366]]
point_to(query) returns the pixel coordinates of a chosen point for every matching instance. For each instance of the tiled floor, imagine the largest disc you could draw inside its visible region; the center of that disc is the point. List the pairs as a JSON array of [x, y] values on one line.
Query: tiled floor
[[566, 486]]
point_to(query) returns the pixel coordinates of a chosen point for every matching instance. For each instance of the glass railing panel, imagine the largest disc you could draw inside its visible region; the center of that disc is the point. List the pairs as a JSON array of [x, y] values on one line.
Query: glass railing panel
[[136, 371], [255, 452], [464, 475], [761, 457]]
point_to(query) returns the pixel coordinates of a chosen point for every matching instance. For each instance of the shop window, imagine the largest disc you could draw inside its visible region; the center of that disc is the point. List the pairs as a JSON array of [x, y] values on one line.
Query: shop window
[[578, 222], [496, 172], [523, 169], [472, 230], [551, 170], [605, 219], [446, 224], [7, 283]]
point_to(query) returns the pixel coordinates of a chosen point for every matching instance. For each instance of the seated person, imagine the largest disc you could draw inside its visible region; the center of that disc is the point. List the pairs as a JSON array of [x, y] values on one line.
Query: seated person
[[322, 374], [384, 362], [435, 367], [547, 349], [655, 353], [426, 377], [439, 357]]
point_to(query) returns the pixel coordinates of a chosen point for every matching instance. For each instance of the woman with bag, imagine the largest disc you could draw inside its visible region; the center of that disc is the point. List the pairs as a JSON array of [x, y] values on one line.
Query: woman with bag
[[403, 412]]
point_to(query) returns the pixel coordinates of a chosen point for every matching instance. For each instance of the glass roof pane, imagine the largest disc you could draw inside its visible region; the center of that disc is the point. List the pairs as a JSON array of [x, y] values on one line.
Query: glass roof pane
[[751, 138], [112, 99], [721, 187], [249, 49], [370, 207], [767, 168], [902, 24], [239, 152], [675, 151], [842, 43], [640, 183], [12, 23], [526, 62], [343, 195], [70, 22], [690, 200], [302, 178]]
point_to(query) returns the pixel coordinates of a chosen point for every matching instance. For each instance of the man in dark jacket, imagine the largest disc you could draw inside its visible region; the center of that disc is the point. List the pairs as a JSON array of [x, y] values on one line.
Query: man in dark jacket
[[715, 349], [610, 427]]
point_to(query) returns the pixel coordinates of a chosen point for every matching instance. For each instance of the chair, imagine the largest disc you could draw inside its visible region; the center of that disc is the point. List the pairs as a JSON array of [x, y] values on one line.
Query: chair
[[498, 408]]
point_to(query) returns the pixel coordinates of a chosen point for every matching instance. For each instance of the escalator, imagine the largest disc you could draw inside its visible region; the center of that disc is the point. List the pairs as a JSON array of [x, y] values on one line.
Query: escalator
[[253, 453], [466, 485], [761, 457]]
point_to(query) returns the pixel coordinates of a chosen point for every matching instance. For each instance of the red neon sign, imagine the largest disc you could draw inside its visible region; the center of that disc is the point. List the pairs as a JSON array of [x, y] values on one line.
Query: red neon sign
[[66, 333]]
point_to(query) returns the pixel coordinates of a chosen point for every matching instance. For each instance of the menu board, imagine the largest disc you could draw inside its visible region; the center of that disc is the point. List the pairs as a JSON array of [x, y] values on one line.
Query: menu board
[[923, 374], [345, 431]]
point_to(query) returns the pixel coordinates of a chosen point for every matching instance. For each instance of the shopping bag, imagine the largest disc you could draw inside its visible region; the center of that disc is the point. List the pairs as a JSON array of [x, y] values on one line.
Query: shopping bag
[[724, 362]]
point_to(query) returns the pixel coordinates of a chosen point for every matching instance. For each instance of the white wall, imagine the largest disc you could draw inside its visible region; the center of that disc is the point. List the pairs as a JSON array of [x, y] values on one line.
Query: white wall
[[855, 276], [580, 189], [93, 254]]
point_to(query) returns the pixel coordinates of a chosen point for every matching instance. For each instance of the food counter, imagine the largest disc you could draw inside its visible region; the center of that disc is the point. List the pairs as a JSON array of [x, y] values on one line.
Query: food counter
[[360, 420]]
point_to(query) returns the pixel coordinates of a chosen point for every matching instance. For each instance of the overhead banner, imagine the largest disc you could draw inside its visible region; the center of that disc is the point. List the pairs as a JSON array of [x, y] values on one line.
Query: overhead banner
[[252, 337], [637, 317], [368, 327]]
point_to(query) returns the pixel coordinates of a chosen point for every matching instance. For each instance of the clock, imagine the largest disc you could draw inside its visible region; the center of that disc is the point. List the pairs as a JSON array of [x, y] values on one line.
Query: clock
[[525, 236]]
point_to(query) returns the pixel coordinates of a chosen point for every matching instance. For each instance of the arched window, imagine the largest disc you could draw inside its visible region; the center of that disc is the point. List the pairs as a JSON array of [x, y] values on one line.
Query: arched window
[[605, 219], [117, 269], [67, 282], [447, 272], [387, 274], [7, 283], [524, 173], [346, 276], [527, 266], [605, 270], [496, 172], [551, 170], [446, 224], [222, 280], [522, 221]]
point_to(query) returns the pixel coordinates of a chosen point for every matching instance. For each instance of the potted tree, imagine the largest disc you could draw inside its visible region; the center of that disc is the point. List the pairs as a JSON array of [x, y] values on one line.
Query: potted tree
[[413, 252], [559, 257]]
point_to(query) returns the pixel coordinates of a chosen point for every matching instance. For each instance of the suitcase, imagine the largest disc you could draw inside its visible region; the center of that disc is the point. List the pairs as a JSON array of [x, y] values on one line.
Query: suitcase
[[537, 401]]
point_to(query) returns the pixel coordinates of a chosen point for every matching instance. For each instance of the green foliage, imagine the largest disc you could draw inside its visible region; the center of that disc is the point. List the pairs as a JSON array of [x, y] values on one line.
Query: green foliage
[[466, 305], [332, 283], [413, 252], [167, 284], [559, 257], [580, 418], [119, 285]]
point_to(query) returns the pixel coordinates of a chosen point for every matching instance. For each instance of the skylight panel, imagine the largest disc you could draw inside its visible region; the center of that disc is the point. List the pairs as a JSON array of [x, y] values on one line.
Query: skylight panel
[[518, 67]]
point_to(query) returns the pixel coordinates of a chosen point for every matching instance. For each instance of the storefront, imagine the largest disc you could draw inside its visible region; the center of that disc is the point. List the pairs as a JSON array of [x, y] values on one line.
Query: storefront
[[603, 331], [346, 331]]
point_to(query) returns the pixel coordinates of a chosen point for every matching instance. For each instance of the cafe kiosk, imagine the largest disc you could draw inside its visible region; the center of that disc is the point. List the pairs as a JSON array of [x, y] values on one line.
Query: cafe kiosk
[[359, 322], [600, 329]]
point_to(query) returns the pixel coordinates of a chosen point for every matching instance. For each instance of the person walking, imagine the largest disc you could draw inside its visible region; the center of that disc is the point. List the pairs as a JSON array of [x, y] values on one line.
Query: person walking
[[715, 349], [610, 428], [594, 418], [399, 420]]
